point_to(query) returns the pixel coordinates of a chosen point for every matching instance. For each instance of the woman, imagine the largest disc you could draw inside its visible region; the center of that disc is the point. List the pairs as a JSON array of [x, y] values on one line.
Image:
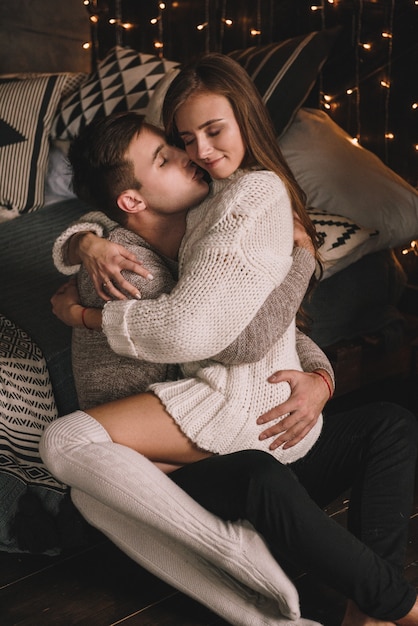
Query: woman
[[216, 129]]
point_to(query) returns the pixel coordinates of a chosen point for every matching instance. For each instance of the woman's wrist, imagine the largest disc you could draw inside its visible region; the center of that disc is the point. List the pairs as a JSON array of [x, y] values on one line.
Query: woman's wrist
[[75, 249]]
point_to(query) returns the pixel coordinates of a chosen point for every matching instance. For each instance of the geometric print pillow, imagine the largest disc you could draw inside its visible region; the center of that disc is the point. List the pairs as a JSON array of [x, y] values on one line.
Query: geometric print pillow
[[285, 72], [124, 81], [341, 238], [27, 109]]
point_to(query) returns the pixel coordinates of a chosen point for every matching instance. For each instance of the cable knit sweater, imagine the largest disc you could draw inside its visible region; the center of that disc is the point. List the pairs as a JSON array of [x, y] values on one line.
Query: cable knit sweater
[[237, 249], [102, 375]]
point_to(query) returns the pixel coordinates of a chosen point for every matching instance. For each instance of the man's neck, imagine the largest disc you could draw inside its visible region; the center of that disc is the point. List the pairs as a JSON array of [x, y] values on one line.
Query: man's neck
[[162, 232]]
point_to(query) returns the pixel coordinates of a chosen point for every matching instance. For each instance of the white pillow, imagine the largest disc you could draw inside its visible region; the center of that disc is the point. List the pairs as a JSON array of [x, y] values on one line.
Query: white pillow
[[58, 179], [153, 113], [342, 178]]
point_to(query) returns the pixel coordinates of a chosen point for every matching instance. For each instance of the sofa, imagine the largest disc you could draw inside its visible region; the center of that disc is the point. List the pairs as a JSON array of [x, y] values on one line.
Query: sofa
[[361, 208]]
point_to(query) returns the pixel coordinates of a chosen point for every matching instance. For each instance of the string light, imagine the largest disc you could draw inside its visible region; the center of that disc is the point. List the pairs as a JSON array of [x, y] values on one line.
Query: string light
[[256, 32], [387, 83], [205, 26], [158, 21], [412, 248], [216, 23]]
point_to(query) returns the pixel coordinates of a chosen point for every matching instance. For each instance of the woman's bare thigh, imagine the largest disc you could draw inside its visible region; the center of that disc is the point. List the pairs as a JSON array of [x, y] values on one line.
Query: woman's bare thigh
[[142, 423]]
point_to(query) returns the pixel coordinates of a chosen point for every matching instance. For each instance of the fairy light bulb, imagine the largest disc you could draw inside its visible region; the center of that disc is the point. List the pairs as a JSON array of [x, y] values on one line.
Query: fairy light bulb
[[202, 26], [254, 32], [413, 247], [385, 83]]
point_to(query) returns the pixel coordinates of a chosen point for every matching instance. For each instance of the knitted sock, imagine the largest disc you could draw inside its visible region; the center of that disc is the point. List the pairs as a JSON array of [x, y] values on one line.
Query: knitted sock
[[79, 451], [182, 568]]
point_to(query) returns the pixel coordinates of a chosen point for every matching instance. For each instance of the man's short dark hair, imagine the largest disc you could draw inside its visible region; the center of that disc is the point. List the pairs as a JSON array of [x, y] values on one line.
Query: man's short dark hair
[[101, 171]]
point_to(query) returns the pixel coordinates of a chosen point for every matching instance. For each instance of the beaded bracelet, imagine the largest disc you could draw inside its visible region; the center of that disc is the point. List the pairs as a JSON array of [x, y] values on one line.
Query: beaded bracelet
[[326, 382], [83, 313]]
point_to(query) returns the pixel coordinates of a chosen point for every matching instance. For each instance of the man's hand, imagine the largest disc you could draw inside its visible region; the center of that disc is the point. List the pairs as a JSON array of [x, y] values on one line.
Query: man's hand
[[104, 261], [308, 397]]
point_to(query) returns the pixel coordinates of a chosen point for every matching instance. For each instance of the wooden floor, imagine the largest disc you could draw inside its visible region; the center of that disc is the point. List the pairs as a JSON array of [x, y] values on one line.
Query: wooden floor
[[100, 586]]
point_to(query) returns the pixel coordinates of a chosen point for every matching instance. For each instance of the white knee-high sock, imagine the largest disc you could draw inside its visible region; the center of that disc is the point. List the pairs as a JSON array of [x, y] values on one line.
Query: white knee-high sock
[[79, 451], [182, 568]]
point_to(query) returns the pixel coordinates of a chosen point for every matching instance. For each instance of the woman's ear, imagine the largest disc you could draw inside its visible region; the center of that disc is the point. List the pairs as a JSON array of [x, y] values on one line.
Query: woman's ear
[[131, 201]]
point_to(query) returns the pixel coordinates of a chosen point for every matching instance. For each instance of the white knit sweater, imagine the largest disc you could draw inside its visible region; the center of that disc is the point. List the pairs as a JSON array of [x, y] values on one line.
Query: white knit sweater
[[237, 249]]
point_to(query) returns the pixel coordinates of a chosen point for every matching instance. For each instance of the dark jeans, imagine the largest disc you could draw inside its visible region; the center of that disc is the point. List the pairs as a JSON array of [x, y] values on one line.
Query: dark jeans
[[371, 449]]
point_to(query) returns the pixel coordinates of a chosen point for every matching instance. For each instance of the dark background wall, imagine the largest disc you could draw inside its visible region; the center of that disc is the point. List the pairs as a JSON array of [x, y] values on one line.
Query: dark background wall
[[372, 112], [43, 36]]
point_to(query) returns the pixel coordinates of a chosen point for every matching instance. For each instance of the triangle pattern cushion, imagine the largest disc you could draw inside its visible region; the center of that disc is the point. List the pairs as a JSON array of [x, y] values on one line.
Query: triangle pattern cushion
[[8, 135], [123, 81], [342, 241], [27, 109]]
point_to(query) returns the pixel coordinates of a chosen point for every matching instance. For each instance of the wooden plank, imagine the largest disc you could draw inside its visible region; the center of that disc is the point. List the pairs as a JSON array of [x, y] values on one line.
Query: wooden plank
[[96, 587]]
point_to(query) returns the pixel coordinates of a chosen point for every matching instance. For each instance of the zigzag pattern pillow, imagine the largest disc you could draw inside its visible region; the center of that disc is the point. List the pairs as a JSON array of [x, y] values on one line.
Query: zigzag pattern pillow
[[124, 81], [285, 72], [27, 109], [341, 238]]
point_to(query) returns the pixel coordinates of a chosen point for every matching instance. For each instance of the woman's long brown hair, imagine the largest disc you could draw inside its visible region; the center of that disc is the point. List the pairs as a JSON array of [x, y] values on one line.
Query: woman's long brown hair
[[218, 73]]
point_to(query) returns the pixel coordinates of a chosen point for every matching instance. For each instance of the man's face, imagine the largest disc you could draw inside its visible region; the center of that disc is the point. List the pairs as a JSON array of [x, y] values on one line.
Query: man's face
[[170, 181]]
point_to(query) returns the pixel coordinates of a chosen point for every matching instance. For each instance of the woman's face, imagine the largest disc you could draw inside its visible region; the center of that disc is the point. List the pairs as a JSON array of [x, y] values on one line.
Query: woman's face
[[211, 135]]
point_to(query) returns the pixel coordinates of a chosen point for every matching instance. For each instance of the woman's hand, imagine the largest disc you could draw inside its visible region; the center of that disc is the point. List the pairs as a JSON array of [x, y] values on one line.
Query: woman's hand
[[66, 304], [309, 394], [104, 261]]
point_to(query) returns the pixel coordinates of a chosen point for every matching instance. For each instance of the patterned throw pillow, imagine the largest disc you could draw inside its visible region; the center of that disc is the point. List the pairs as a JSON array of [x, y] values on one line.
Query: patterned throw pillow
[[124, 81], [27, 109], [285, 72], [341, 238]]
